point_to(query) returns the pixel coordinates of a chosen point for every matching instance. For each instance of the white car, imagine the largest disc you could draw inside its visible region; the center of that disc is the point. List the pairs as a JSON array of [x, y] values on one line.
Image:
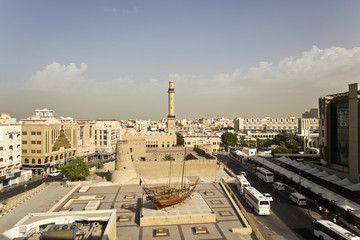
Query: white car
[[279, 186], [268, 196], [54, 174]]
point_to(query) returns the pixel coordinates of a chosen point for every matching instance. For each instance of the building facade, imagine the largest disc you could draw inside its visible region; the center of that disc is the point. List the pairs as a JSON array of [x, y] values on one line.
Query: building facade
[[47, 143], [10, 154], [192, 140], [85, 139], [107, 133], [266, 124], [340, 132]]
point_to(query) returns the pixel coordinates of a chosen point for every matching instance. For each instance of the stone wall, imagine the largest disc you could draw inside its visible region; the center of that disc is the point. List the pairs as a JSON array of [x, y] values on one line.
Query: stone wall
[[201, 168]]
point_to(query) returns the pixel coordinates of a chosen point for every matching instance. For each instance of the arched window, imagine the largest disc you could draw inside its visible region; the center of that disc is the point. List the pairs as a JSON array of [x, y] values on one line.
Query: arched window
[[33, 161], [1, 160], [26, 160], [10, 158], [1, 149], [39, 161], [56, 157], [51, 158], [11, 136]]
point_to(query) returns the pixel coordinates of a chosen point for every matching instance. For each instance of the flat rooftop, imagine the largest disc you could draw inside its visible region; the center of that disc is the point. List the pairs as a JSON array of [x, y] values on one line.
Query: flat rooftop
[[127, 200]]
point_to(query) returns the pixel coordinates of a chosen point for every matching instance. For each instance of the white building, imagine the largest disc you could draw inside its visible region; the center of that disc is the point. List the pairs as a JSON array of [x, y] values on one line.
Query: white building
[[10, 154], [266, 124], [107, 134]]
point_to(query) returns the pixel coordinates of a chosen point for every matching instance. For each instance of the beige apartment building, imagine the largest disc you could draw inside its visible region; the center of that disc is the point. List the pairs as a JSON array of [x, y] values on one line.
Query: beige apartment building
[[86, 139], [107, 133], [47, 143], [266, 124], [192, 140], [340, 133]]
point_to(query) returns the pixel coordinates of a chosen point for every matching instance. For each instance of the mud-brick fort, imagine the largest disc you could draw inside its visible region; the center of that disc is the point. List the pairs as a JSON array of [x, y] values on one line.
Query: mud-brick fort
[[141, 155]]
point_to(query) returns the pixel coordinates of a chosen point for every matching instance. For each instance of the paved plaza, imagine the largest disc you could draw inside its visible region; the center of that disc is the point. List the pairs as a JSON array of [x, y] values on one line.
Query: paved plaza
[[127, 200]]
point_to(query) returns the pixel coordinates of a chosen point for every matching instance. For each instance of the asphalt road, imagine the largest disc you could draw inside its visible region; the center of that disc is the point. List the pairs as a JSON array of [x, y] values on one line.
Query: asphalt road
[[286, 219], [12, 191]]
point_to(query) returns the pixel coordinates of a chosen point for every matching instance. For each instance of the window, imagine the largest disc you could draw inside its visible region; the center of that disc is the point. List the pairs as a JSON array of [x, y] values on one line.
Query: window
[[1, 149], [11, 136], [38, 142], [1, 160], [33, 161], [24, 142], [33, 142], [24, 133], [39, 161], [32, 151], [26, 160], [38, 133], [38, 151], [24, 151], [33, 133]]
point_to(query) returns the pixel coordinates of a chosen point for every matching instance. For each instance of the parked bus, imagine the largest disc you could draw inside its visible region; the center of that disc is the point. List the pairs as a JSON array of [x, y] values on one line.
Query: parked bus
[[257, 201], [243, 182], [264, 174], [325, 230]]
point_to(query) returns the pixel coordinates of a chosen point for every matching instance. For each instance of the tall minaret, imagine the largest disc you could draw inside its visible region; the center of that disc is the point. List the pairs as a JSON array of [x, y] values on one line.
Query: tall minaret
[[171, 117]]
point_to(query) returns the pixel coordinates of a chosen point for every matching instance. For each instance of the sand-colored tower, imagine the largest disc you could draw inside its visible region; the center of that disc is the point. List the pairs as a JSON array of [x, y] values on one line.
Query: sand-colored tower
[[124, 170], [171, 116]]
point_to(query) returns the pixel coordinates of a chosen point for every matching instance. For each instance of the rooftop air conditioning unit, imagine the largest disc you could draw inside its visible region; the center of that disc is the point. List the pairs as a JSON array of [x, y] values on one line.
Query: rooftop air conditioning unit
[[61, 231]]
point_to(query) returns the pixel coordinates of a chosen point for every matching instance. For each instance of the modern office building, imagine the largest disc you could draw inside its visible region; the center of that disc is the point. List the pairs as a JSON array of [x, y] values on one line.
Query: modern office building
[[10, 154], [340, 132]]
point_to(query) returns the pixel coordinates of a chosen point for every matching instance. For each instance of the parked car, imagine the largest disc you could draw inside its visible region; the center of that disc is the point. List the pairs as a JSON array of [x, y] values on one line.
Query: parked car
[[268, 196], [279, 186], [54, 174]]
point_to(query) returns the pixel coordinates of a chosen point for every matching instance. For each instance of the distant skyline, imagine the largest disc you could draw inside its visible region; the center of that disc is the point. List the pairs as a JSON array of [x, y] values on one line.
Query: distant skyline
[[113, 59]]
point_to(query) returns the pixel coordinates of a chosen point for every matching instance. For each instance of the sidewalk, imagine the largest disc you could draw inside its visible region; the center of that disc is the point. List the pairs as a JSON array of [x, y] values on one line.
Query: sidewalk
[[40, 202]]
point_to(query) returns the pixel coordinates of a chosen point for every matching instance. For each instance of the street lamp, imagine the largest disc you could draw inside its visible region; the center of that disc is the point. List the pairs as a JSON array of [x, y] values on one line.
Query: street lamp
[[299, 181]]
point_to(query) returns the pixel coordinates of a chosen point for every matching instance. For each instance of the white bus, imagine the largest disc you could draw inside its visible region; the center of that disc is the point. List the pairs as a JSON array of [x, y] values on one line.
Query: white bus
[[264, 174], [243, 182], [257, 201], [325, 230]]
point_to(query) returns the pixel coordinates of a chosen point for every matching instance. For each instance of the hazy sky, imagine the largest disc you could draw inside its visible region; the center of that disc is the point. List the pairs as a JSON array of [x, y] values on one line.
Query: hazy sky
[[113, 59]]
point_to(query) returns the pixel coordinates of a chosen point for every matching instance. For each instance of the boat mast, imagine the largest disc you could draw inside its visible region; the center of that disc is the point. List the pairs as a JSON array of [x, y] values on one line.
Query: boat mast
[[182, 175], [170, 172]]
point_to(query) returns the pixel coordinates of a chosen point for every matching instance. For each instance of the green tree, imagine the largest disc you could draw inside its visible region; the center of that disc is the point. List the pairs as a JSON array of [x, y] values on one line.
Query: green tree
[[76, 169], [168, 157], [229, 139], [242, 141], [179, 139]]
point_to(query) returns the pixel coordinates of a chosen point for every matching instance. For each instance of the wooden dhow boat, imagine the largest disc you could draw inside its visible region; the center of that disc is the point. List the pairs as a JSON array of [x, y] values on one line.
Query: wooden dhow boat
[[165, 196]]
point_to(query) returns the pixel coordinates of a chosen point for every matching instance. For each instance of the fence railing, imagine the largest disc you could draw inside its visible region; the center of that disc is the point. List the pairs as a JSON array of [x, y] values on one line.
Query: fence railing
[[244, 212], [19, 199]]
